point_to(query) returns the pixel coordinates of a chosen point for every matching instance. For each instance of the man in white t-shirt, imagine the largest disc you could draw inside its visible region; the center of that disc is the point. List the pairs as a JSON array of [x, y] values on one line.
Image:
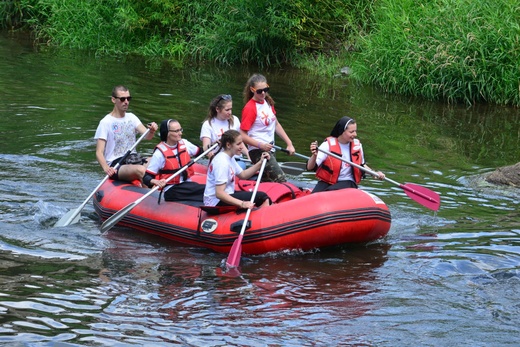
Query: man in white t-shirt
[[115, 135]]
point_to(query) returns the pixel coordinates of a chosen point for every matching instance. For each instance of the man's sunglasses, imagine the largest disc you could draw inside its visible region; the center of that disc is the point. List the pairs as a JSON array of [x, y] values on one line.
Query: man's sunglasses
[[123, 98]]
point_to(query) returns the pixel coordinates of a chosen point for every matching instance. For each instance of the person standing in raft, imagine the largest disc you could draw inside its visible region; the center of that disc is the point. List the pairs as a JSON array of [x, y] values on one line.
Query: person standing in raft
[[259, 125], [222, 169], [170, 155], [115, 135], [332, 173], [220, 118]]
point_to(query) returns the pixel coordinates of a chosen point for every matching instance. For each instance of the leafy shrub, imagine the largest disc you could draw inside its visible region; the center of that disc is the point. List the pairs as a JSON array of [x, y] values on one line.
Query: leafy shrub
[[458, 50]]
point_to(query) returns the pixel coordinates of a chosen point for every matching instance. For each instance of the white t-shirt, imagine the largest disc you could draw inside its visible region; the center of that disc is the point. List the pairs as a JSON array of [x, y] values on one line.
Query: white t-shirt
[[157, 161], [216, 128], [345, 173], [119, 134], [221, 170], [264, 125]]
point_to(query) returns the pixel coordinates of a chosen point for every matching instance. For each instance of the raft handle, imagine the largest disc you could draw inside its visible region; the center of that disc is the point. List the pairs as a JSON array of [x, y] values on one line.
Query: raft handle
[[237, 226]]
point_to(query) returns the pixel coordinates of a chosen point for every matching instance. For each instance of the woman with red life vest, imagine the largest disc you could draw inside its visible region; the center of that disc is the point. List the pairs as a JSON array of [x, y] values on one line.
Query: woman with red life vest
[[259, 125], [170, 155], [332, 173]]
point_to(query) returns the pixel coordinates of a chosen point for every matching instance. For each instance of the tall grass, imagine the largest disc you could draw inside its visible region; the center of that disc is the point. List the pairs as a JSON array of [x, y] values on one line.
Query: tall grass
[[272, 32], [263, 32], [457, 50]]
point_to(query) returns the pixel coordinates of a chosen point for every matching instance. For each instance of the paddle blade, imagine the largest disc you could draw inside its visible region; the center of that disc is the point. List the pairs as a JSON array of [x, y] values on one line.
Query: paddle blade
[[424, 196], [69, 218], [115, 218], [294, 168], [233, 259]]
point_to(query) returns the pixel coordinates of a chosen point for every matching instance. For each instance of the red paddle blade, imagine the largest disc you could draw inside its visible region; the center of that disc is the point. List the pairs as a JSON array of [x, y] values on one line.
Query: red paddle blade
[[424, 196], [233, 259]]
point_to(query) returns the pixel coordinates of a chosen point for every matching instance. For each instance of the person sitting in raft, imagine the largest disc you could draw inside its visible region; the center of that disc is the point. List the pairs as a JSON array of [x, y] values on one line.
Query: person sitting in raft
[[170, 155], [222, 169], [332, 173], [115, 135]]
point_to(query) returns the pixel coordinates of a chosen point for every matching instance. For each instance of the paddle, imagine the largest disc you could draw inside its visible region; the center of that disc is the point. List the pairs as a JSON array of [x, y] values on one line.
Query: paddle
[[233, 260], [294, 168], [115, 218], [286, 151], [422, 195], [73, 215]]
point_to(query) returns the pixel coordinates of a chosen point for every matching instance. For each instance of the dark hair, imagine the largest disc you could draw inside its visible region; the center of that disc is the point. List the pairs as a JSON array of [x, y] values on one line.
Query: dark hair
[[251, 82], [165, 128], [119, 88], [341, 125], [218, 102], [229, 136]]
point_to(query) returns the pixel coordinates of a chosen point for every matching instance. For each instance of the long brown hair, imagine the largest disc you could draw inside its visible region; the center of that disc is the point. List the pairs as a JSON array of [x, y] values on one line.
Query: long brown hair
[[218, 103], [251, 82]]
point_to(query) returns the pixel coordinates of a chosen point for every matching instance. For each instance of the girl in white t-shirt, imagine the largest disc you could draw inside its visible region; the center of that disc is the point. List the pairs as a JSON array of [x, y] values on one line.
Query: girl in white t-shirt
[[220, 118], [259, 124], [222, 169]]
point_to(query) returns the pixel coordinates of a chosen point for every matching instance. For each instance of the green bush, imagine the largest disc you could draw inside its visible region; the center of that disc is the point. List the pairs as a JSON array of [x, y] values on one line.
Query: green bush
[[263, 32], [457, 50]]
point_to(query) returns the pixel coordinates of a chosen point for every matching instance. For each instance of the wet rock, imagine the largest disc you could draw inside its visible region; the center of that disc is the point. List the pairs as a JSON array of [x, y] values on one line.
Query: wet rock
[[346, 70], [507, 175]]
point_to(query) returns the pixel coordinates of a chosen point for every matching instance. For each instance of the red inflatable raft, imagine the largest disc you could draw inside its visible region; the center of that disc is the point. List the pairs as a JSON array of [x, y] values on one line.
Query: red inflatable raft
[[297, 219]]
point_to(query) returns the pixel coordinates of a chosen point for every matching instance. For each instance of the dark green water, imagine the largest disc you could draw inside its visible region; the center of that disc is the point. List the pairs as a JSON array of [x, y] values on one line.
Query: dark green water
[[437, 279]]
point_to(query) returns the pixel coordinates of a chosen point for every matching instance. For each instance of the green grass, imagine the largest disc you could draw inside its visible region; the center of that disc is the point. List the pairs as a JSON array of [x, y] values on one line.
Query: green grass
[[454, 50]]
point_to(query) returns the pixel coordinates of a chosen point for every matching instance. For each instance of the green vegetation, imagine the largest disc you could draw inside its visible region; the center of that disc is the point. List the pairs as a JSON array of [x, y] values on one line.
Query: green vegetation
[[454, 50], [458, 50], [259, 32]]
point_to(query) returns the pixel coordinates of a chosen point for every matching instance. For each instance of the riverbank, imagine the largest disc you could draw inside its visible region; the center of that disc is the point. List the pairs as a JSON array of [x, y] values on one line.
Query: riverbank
[[456, 51]]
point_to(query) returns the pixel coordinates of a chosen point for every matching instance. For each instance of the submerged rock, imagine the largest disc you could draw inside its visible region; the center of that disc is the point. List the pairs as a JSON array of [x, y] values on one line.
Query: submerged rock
[[346, 70], [507, 175]]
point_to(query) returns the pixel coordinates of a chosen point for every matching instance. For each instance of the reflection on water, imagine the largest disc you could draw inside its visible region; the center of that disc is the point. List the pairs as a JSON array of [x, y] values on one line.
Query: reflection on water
[[146, 292], [437, 279]]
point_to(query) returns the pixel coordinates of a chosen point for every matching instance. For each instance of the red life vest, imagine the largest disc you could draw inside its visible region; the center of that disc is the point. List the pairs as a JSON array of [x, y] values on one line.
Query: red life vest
[[330, 168], [174, 162]]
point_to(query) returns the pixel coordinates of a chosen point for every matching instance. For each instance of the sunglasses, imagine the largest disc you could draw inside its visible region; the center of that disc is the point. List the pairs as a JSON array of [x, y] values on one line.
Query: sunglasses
[[225, 97], [260, 91], [123, 98]]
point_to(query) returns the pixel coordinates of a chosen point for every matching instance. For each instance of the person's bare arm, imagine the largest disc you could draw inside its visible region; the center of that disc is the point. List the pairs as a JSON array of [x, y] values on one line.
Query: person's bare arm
[[283, 135], [100, 156]]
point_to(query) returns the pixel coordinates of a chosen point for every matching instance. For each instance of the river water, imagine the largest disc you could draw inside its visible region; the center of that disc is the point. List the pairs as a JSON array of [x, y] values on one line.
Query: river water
[[438, 279]]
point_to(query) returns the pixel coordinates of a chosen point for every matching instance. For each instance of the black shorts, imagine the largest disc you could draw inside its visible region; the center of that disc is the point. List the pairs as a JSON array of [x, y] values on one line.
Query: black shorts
[[260, 198]]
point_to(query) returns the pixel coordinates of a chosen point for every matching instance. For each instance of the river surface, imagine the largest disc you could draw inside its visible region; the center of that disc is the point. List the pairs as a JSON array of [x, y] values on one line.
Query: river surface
[[449, 278]]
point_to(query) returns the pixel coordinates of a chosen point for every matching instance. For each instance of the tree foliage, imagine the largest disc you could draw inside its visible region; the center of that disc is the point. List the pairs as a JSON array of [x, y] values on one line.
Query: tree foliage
[[263, 32], [455, 50]]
